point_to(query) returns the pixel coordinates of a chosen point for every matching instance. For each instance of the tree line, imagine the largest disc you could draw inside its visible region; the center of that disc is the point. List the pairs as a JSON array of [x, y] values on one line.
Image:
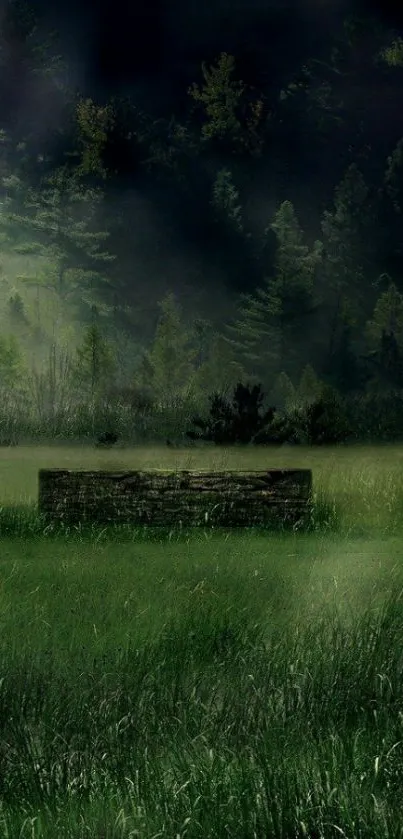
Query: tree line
[[315, 308]]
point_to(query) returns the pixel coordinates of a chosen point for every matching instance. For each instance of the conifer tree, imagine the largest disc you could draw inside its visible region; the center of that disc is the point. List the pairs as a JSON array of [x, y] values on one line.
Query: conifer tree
[[309, 387], [12, 365], [57, 222], [225, 200], [233, 113], [345, 255], [271, 330], [170, 356], [219, 371], [384, 333], [95, 363], [387, 316], [283, 394]]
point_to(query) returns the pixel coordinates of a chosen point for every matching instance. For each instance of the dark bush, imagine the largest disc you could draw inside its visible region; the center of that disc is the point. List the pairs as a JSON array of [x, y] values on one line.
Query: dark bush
[[283, 429], [233, 423], [377, 416], [323, 421]]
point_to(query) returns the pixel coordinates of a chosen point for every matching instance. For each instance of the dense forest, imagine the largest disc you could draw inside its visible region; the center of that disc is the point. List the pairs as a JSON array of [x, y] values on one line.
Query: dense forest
[[244, 228]]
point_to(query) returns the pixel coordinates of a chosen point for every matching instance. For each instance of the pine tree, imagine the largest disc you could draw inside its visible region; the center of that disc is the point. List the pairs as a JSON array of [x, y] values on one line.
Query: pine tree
[[255, 334], [295, 272], [387, 316], [170, 355], [391, 207], [309, 387], [283, 394], [393, 53], [219, 372], [94, 122], [56, 222], [384, 333], [233, 113], [12, 365], [202, 330], [225, 200], [345, 255], [95, 363], [271, 331]]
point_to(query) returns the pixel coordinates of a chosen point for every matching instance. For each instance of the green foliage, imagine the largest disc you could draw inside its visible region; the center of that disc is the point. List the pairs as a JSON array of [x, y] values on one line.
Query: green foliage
[[295, 271], [12, 367], [343, 230], [393, 177], [16, 309], [233, 423], [312, 304], [388, 317], [233, 113], [393, 53], [219, 371], [94, 367], [377, 415], [283, 394], [385, 339], [272, 326], [347, 249], [324, 421], [170, 357], [390, 361], [143, 384], [226, 200], [321, 420], [94, 123], [58, 221], [309, 388], [220, 97], [256, 332]]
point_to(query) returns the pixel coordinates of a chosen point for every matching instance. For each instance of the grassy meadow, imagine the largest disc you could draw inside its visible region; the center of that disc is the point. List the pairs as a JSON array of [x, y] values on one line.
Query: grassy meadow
[[240, 685]]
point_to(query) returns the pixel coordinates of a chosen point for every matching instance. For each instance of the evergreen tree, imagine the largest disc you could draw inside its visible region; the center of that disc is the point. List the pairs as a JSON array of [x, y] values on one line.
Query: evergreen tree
[[309, 388], [391, 206], [387, 317], [271, 331], [202, 330], [295, 273], [225, 200], [57, 223], [12, 365], [392, 54], [94, 368], [384, 332], [219, 372], [256, 333], [16, 310], [233, 113], [345, 253], [170, 356], [94, 122], [283, 394]]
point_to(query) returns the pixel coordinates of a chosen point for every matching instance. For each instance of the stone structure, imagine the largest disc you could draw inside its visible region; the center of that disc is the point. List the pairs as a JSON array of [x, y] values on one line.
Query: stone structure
[[189, 498]]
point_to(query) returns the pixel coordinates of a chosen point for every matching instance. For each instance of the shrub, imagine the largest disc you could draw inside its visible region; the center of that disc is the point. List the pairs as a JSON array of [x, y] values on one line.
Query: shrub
[[233, 423], [377, 416], [323, 421]]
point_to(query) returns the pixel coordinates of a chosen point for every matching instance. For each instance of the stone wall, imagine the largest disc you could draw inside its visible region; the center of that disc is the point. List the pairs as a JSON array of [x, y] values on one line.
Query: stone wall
[[190, 498]]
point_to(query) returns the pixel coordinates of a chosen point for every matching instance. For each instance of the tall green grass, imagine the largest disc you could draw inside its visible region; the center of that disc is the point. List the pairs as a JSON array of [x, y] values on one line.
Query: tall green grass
[[238, 689], [242, 684], [357, 490]]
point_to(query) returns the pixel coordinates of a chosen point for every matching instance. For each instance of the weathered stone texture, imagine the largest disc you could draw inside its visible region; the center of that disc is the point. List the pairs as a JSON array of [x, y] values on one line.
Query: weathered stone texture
[[191, 498]]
